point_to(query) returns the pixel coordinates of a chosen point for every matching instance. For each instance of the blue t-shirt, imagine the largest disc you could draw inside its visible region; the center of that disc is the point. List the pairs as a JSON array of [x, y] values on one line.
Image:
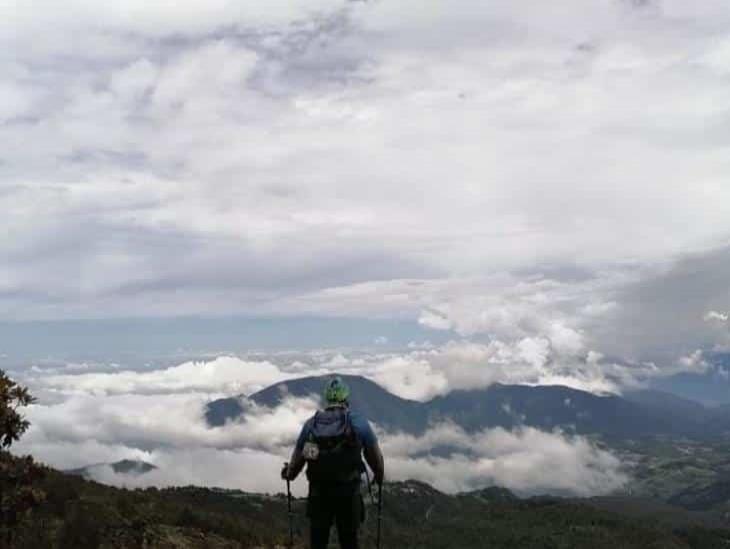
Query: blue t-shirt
[[360, 425]]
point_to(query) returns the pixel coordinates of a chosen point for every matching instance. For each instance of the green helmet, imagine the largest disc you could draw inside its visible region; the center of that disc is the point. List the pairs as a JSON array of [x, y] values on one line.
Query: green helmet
[[336, 391]]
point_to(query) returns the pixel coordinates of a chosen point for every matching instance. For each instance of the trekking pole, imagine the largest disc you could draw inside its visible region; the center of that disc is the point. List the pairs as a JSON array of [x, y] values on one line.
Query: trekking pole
[[288, 503], [380, 510]]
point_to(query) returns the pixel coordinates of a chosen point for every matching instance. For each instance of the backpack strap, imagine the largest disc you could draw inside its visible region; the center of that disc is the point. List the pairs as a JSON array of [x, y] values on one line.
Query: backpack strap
[[350, 432], [312, 424]]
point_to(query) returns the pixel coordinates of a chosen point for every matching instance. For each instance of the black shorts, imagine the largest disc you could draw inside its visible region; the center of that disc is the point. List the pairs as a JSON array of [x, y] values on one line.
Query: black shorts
[[338, 504]]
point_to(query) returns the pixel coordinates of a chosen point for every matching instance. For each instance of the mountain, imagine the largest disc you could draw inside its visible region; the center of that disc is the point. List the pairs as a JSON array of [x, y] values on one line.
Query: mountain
[[711, 387], [545, 407], [494, 494], [669, 404], [368, 398], [125, 466]]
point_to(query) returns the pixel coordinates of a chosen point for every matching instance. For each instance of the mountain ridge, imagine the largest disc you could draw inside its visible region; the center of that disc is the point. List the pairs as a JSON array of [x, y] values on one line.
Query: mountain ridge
[[547, 407], [124, 466]]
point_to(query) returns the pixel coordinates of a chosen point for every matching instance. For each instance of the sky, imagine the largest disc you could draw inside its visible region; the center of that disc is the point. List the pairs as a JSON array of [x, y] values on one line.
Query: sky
[[466, 166], [476, 192]]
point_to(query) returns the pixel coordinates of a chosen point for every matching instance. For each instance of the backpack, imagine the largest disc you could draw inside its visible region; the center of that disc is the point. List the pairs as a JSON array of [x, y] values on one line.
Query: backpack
[[332, 449]]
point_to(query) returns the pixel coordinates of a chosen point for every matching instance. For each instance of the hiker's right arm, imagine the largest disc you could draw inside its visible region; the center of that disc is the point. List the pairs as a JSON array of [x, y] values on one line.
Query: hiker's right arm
[[297, 462]]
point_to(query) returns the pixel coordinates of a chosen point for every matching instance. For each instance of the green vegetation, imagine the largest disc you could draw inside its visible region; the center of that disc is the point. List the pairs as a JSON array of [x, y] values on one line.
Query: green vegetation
[[19, 493], [82, 514], [663, 467]]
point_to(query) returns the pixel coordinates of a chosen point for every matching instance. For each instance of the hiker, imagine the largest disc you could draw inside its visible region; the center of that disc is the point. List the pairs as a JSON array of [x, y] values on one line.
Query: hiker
[[331, 444]]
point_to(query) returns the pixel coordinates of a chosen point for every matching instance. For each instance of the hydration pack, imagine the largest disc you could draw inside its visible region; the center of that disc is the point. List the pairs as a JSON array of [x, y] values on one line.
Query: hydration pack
[[332, 449]]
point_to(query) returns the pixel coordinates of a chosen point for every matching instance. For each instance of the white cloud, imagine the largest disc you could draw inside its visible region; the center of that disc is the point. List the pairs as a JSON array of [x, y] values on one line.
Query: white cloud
[[434, 319], [423, 374], [317, 126], [527, 461], [225, 374], [419, 372], [694, 362], [243, 468], [157, 19], [714, 315], [411, 378]]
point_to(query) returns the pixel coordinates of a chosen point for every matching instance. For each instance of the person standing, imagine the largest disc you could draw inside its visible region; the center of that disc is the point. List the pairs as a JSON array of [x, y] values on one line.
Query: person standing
[[331, 444]]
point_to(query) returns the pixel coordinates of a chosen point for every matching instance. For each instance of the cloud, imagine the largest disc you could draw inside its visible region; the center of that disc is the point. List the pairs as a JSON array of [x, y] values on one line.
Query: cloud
[[190, 18], [168, 431], [226, 468], [694, 362], [714, 315], [214, 158], [411, 377], [528, 461], [423, 374], [664, 314], [519, 354], [225, 374]]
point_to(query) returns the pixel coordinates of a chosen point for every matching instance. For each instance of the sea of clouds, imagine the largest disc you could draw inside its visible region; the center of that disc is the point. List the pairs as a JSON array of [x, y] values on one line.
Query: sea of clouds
[[158, 416]]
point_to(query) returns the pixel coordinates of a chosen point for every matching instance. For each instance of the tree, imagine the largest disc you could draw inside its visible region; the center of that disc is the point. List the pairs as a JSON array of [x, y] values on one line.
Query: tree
[[18, 475]]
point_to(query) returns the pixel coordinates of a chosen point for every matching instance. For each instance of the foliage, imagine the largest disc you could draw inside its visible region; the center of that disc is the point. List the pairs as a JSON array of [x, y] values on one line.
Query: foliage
[[12, 424], [415, 515], [19, 476]]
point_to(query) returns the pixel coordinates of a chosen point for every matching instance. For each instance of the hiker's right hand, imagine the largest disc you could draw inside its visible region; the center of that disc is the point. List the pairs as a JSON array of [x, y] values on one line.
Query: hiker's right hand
[[285, 472], [378, 479]]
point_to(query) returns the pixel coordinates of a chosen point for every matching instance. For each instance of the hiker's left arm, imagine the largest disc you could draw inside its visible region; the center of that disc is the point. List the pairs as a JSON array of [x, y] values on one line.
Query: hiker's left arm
[[371, 448], [374, 457]]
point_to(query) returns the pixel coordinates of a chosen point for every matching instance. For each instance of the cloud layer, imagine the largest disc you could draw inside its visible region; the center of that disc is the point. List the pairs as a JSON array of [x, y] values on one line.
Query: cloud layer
[[527, 461], [169, 430]]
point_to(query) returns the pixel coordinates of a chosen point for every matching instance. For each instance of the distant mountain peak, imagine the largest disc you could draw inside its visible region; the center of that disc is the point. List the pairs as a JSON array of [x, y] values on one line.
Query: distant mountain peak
[[123, 467], [413, 488], [493, 493], [135, 466]]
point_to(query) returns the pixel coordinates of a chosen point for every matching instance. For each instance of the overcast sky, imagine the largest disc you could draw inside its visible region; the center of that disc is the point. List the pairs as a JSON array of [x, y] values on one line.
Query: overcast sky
[[506, 170]]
